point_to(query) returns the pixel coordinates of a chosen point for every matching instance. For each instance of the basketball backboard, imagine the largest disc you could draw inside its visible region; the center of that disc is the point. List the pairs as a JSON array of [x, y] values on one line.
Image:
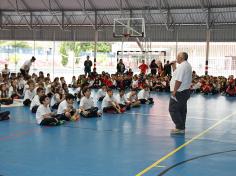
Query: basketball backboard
[[129, 27]]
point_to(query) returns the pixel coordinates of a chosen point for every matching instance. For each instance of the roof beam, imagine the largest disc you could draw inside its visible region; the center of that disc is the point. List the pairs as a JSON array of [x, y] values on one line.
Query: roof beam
[[18, 12], [1, 19], [165, 14], [62, 14], [128, 4], [170, 19], [125, 9], [119, 5], [207, 11], [92, 5], [86, 13], [26, 5], [53, 14]]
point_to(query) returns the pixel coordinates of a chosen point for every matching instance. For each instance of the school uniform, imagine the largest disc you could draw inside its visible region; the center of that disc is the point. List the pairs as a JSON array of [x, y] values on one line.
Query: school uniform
[[54, 101], [34, 104], [100, 94], [61, 110], [29, 95], [88, 105], [144, 97], [41, 111], [5, 99], [122, 101], [106, 104]]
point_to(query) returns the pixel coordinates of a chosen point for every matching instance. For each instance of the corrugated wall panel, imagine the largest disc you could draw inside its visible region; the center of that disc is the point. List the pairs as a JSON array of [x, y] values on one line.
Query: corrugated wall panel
[[155, 33], [224, 35], [5, 34], [192, 33]]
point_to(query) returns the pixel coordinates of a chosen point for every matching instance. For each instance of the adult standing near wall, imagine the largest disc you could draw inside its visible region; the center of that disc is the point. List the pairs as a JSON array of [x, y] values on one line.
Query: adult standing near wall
[[120, 67], [167, 68], [143, 68], [180, 92], [153, 66], [87, 66], [25, 68], [5, 72]]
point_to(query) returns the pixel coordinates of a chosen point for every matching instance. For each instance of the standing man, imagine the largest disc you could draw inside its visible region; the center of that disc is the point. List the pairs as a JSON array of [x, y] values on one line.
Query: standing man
[[25, 68], [120, 67], [180, 93], [87, 66], [5, 72], [167, 68]]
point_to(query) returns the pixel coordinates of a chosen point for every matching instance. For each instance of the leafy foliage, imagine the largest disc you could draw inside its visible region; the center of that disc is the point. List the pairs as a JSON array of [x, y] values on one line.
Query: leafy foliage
[[77, 47]]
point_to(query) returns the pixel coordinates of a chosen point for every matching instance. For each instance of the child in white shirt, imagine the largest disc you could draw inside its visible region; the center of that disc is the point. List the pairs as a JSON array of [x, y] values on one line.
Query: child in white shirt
[[57, 98], [109, 104], [101, 93], [87, 107], [66, 110], [29, 95], [144, 95], [132, 98], [35, 101], [44, 116], [122, 100]]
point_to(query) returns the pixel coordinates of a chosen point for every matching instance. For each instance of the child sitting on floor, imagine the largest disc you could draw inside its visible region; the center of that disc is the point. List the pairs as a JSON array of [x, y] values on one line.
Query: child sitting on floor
[[44, 116], [4, 95], [122, 100], [29, 94], [101, 93], [87, 107], [144, 95], [231, 90], [66, 110], [109, 104], [35, 101], [132, 98], [57, 98]]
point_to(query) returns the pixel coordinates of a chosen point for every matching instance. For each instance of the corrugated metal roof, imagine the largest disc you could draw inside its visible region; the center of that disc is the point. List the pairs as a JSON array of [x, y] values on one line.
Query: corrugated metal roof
[[83, 12], [184, 3]]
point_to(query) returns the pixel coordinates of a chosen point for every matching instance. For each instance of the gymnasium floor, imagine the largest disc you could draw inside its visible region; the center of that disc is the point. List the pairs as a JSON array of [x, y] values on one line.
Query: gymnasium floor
[[135, 143]]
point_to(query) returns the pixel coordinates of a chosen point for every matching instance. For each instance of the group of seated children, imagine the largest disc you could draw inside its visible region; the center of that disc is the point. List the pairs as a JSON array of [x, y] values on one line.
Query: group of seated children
[[214, 85], [87, 107], [65, 112]]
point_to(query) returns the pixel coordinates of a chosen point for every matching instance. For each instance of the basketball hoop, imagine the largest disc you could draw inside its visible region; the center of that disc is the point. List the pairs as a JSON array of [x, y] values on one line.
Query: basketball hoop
[[126, 35]]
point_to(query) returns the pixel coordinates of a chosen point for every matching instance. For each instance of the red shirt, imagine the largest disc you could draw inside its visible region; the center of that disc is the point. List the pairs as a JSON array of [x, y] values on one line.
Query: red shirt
[[231, 91], [109, 83], [143, 68]]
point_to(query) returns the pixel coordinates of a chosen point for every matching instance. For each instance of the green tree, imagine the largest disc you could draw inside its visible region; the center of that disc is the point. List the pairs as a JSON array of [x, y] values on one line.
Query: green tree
[[15, 58], [20, 44], [87, 46], [2, 43], [17, 44], [77, 47], [64, 53], [66, 47], [104, 47], [101, 46]]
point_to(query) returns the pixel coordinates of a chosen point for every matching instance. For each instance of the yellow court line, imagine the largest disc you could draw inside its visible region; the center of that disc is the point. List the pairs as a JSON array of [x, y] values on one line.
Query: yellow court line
[[184, 145]]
